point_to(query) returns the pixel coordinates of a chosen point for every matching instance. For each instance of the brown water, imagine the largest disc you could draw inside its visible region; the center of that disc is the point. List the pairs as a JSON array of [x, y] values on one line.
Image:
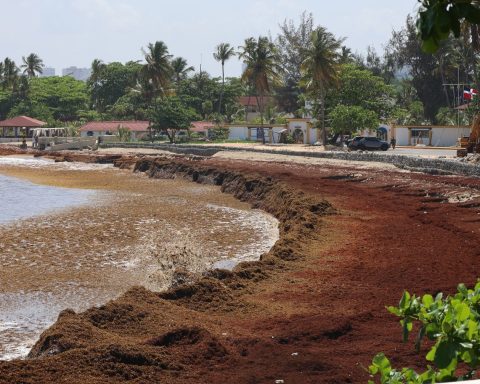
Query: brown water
[[137, 233]]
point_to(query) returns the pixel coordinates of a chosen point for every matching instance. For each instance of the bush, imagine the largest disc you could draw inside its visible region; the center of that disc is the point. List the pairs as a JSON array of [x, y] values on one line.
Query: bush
[[452, 323]]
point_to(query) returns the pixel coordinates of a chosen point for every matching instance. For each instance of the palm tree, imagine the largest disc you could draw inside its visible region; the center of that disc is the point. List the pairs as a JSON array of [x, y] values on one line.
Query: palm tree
[[223, 53], [262, 68], [94, 83], [10, 73], [32, 65], [158, 69], [180, 69], [320, 69]]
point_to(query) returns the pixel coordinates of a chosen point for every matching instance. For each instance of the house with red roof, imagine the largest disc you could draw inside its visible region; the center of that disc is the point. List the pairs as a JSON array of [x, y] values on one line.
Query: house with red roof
[[252, 107], [202, 127], [138, 128], [19, 126]]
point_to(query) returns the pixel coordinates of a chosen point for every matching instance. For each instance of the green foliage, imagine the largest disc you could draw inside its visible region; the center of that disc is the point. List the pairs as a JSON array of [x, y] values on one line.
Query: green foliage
[[453, 324], [438, 18], [124, 134], [219, 133], [350, 119], [413, 114], [63, 96], [112, 82], [170, 115], [359, 87], [447, 116]]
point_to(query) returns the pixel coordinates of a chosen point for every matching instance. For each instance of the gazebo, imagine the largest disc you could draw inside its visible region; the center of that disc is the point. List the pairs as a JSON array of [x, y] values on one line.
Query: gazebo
[[12, 127]]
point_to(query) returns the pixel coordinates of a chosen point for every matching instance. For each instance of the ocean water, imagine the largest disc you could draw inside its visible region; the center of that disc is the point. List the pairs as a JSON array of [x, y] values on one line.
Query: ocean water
[[21, 199], [71, 272]]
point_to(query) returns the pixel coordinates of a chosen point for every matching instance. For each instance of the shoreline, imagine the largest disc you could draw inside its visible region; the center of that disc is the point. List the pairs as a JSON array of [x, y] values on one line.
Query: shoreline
[[311, 310], [150, 270]]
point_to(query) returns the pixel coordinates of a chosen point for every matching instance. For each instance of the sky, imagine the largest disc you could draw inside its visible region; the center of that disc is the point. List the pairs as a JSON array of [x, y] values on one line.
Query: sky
[[74, 32]]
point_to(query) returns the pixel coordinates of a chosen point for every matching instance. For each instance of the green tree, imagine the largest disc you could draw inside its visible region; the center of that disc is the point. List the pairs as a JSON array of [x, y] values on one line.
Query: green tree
[[180, 69], [63, 96], [32, 65], [262, 69], [158, 69], [422, 68], [320, 69], [10, 74], [109, 82], [359, 87], [169, 115], [351, 119], [223, 53], [438, 18], [293, 43]]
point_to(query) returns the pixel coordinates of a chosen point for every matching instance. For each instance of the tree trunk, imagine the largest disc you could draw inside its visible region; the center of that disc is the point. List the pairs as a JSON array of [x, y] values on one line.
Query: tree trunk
[[322, 118], [260, 107], [223, 88]]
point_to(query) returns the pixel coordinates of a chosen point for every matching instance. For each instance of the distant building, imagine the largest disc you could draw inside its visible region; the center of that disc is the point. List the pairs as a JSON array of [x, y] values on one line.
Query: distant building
[[47, 72], [77, 73], [138, 128]]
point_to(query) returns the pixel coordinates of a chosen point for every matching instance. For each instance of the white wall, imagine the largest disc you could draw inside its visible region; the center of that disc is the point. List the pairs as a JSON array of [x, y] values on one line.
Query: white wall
[[238, 133], [448, 137], [401, 135]]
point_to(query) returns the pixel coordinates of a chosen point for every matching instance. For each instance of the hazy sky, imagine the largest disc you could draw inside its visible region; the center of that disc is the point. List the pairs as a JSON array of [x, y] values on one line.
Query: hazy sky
[[74, 32]]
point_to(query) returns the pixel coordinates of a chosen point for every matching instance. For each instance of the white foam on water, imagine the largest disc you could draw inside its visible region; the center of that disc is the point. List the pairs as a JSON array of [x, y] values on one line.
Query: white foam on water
[[39, 162]]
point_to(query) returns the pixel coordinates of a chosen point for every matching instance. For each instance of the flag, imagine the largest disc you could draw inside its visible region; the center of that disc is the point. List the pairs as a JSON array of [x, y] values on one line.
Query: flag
[[469, 93]]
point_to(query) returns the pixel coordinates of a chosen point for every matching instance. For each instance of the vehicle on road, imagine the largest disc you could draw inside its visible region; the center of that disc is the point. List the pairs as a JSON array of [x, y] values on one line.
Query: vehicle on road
[[367, 144]]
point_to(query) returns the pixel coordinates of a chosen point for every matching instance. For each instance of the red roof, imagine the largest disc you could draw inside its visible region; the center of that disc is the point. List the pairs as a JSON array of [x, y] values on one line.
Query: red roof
[[201, 126], [22, 121], [112, 126], [251, 101]]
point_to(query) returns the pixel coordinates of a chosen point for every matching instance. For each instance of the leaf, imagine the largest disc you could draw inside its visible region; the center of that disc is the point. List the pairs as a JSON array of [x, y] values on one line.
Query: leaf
[[394, 310], [431, 354], [427, 300], [445, 354], [462, 312], [404, 301]]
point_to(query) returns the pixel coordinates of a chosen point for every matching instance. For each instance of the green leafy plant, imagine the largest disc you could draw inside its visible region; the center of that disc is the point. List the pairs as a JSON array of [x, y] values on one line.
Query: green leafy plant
[[452, 323]]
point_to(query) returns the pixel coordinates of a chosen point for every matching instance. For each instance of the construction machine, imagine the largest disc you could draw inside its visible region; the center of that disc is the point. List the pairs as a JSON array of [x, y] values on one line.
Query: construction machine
[[471, 144]]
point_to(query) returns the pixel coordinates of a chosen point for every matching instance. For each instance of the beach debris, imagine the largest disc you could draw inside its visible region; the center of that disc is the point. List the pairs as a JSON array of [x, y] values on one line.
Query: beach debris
[[279, 381], [295, 354]]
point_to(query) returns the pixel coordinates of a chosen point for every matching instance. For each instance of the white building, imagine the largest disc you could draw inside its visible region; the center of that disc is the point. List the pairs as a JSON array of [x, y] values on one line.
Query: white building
[[300, 129], [47, 72], [77, 73]]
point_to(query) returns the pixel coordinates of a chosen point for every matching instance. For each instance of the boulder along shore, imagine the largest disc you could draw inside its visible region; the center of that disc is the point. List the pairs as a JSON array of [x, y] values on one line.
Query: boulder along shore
[[312, 310]]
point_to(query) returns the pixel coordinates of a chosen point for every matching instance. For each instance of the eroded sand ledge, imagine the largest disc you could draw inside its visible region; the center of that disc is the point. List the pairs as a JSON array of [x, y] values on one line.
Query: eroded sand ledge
[[311, 311]]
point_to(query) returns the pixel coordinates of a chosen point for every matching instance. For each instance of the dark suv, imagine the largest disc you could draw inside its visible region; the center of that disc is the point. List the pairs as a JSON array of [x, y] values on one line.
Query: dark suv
[[367, 143]]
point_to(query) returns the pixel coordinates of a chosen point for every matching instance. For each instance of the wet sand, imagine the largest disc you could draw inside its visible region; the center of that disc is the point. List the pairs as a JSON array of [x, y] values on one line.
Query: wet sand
[[137, 231]]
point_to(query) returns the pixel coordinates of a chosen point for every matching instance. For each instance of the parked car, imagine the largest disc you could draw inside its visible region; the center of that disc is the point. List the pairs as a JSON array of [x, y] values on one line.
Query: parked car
[[367, 143]]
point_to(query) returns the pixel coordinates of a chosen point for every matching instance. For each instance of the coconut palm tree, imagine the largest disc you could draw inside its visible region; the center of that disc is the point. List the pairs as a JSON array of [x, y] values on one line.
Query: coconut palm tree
[[223, 53], [262, 69], [158, 69], [180, 69], [320, 69], [32, 65]]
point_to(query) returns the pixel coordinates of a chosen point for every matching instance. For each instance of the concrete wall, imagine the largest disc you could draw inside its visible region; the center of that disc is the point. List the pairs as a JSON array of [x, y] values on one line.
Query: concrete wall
[[238, 133], [448, 137], [441, 136], [401, 135]]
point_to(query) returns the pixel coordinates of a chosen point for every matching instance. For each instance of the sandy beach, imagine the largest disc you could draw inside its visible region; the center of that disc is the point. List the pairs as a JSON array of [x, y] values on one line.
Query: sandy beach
[[136, 231], [311, 310]]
